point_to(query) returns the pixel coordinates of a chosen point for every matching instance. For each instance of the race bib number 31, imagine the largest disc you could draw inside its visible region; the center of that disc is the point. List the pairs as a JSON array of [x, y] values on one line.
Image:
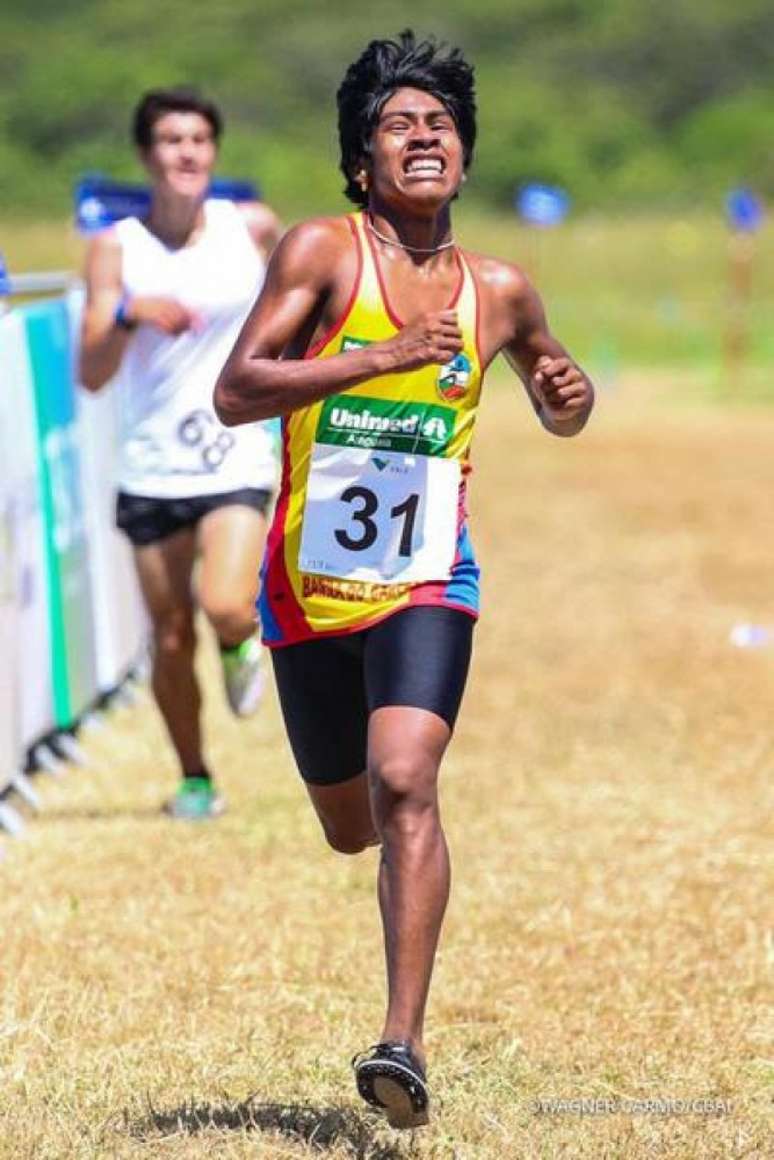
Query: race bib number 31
[[381, 516]]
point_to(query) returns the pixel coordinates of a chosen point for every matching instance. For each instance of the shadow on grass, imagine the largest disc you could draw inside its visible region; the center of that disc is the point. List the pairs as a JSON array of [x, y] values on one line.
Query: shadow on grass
[[318, 1127]]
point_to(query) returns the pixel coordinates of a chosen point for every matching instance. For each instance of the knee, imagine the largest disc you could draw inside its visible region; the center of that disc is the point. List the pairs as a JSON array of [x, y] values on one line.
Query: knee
[[404, 794], [174, 636], [408, 779], [232, 619], [347, 843]]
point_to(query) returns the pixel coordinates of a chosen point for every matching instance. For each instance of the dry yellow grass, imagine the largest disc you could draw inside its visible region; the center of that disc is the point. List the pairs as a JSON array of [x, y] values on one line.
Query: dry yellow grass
[[182, 992]]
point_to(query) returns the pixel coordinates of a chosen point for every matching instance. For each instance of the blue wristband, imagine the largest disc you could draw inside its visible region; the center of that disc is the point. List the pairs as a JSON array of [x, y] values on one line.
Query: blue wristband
[[120, 317]]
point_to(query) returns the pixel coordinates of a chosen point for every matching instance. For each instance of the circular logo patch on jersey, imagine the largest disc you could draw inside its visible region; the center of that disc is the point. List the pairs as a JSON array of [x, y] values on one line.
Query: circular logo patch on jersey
[[454, 377]]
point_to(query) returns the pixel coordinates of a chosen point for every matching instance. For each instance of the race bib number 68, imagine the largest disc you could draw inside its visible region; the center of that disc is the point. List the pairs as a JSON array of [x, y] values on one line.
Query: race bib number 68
[[379, 516]]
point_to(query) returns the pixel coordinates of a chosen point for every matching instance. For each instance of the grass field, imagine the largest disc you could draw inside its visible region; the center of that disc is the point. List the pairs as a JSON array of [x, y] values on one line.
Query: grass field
[[185, 992]]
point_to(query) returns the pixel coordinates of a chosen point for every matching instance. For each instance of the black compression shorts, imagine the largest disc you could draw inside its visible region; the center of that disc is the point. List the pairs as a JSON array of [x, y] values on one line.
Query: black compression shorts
[[147, 519], [328, 687]]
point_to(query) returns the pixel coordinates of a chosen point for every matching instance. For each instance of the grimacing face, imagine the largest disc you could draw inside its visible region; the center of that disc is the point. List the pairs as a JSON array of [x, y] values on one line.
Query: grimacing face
[[182, 154], [416, 151]]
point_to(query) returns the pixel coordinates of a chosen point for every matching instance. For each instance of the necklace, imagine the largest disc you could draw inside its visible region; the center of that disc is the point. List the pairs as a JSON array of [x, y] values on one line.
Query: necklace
[[403, 246]]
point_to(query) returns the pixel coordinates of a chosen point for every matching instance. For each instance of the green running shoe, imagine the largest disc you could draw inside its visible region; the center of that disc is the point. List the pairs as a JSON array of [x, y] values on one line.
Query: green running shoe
[[196, 800], [243, 675]]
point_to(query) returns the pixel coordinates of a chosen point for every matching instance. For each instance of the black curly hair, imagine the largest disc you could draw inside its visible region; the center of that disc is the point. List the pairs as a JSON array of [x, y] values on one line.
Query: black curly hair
[[387, 65]]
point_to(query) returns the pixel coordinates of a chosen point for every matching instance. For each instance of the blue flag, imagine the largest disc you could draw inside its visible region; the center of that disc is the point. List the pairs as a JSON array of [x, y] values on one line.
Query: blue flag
[[745, 210], [541, 205]]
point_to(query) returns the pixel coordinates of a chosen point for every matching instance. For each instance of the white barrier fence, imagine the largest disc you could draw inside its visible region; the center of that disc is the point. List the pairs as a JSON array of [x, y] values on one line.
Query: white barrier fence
[[71, 621]]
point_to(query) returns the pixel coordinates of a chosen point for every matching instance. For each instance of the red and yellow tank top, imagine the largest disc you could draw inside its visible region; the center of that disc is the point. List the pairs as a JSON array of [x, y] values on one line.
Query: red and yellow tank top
[[371, 514]]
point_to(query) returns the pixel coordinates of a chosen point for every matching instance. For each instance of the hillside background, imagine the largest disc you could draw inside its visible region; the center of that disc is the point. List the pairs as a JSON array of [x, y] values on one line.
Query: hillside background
[[630, 106]]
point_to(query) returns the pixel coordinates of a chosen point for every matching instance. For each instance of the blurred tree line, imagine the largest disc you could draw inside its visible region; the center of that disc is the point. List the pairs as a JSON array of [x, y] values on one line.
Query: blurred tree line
[[626, 104]]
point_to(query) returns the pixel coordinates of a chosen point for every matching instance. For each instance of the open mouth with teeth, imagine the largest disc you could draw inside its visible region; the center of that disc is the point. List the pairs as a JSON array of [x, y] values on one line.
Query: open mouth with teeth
[[424, 167]]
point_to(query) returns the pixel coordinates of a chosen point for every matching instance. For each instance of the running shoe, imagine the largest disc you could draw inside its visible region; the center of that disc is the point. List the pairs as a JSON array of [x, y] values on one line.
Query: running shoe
[[243, 675], [390, 1077], [196, 800]]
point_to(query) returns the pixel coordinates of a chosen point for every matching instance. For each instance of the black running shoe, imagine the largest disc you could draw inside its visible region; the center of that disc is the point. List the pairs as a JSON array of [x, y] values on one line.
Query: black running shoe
[[389, 1077]]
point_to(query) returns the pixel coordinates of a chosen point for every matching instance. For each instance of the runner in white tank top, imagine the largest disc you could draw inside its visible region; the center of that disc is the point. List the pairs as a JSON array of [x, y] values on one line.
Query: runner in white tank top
[[172, 444], [166, 298]]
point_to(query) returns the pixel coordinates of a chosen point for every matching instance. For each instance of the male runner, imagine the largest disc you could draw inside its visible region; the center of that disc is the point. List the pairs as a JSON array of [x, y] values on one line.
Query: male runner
[[166, 297], [370, 339]]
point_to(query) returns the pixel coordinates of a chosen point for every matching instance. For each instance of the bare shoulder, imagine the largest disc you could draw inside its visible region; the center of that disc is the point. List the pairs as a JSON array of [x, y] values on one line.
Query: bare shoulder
[[317, 244], [104, 256], [105, 243], [257, 213], [511, 307], [504, 281], [262, 223], [330, 233]]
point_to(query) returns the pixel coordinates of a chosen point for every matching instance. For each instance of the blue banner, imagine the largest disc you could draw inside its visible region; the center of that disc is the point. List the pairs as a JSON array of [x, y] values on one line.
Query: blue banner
[[100, 202]]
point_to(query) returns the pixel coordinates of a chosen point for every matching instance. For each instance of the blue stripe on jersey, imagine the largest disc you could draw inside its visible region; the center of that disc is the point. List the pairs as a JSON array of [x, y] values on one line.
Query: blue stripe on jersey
[[463, 587], [270, 629]]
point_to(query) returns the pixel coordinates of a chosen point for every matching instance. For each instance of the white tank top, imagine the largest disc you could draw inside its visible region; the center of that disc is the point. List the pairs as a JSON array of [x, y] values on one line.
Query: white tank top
[[172, 444]]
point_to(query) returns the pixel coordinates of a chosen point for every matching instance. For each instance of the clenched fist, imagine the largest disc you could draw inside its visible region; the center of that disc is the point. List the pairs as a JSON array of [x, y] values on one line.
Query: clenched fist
[[434, 337], [561, 387], [166, 314]]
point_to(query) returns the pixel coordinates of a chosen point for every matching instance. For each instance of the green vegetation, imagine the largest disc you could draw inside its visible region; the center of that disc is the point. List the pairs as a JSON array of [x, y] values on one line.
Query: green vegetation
[[644, 291], [659, 105], [621, 291], [647, 113]]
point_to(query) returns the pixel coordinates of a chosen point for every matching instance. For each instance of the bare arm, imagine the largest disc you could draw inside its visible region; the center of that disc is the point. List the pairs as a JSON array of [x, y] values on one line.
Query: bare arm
[[561, 393], [103, 341], [257, 382]]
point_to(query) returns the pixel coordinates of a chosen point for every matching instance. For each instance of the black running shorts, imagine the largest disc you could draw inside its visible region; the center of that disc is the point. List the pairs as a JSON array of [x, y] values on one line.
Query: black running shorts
[[147, 519], [328, 687]]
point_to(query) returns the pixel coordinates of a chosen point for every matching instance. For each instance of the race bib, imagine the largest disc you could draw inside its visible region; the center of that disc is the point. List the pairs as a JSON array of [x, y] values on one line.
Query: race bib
[[382, 516]]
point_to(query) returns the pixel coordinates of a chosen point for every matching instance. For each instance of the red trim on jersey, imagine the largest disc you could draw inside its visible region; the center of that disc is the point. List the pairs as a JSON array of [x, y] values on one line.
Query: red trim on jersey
[[442, 603], [477, 294], [334, 330], [456, 295], [396, 322], [286, 610], [345, 630], [415, 600]]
